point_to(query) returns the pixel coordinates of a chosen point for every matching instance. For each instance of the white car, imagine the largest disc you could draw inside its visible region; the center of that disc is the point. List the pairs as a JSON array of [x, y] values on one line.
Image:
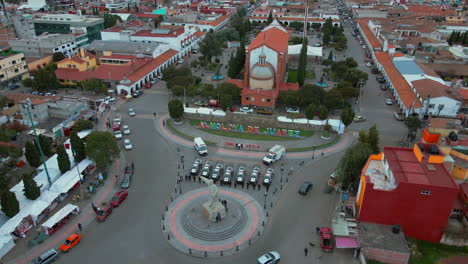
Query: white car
[[245, 109], [118, 135], [154, 81], [160, 76], [292, 110], [359, 119], [180, 61], [363, 46], [127, 144], [109, 99], [117, 120], [126, 130], [389, 101], [368, 64], [269, 258], [131, 112]]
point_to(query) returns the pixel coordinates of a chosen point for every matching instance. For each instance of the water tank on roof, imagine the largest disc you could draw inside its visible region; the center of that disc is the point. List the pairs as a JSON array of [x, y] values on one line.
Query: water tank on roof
[[453, 136], [433, 150], [396, 229]]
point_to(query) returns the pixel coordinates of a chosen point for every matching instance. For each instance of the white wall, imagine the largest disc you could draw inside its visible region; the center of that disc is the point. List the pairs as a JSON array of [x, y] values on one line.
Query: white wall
[[271, 56], [450, 109]]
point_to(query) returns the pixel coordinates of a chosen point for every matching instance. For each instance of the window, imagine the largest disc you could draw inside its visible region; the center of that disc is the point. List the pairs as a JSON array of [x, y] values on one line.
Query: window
[[13, 62], [263, 99], [16, 70], [246, 98], [253, 99], [2, 76], [268, 100], [431, 105], [426, 192]]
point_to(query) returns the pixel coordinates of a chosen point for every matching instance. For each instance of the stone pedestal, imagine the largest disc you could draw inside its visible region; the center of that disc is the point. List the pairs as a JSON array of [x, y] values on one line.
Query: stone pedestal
[[212, 209]]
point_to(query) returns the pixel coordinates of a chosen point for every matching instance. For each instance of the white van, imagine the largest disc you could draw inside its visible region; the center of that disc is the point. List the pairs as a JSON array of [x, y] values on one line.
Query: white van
[[200, 146], [274, 154]]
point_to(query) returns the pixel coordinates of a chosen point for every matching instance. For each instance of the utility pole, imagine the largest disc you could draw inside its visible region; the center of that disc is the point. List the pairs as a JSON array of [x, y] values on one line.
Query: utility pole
[[78, 170], [306, 14], [361, 84], [27, 103]]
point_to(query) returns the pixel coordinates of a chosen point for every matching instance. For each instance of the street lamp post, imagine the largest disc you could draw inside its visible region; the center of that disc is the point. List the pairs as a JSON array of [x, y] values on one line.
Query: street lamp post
[[26, 103], [313, 152], [282, 169], [264, 204], [78, 170]]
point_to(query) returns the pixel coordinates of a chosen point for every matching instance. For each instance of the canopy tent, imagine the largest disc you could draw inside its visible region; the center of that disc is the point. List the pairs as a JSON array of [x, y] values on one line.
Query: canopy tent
[[52, 162], [311, 51], [70, 178], [11, 225], [6, 244], [62, 213], [81, 134], [336, 124], [346, 242], [204, 111]]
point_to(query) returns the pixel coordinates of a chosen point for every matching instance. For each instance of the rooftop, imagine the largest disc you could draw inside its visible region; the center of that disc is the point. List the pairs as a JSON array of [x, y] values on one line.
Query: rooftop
[[381, 180], [381, 237], [273, 36], [159, 33], [35, 99], [123, 47], [406, 168]]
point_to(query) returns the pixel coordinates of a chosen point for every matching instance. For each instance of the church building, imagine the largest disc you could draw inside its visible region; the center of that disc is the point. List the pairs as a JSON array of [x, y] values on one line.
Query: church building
[[265, 68]]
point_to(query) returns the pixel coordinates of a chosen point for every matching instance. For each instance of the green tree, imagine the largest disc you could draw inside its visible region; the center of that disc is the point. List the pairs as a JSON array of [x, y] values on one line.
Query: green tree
[[363, 137], [350, 166], [310, 111], [45, 79], [347, 89], [340, 43], [374, 139], [302, 63], [347, 116], [311, 93], [176, 109], [413, 123], [289, 98], [207, 90], [210, 47], [102, 148], [296, 40], [82, 124], [78, 147], [354, 76], [240, 56], [247, 26], [225, 101], [27, 82], [32, 155], [5, 101], [63, 159], [228, 88], [110, 20], [31, 190], [270, 18], [157, 21], [45, 145], [4, 182], [323, 112], [10, 205], [58, 56], [7, 134], [177, 90], [95, 85], [326, 38], [232, 70], [333, 99]]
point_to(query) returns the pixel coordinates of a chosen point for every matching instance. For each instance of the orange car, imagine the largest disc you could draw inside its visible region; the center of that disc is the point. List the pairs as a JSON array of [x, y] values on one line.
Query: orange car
[[71, 242]]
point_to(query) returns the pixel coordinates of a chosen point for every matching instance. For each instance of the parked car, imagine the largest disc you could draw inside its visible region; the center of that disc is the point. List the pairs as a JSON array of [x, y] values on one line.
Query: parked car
[[270, 172], [217, 172], [131, 112], [104, 213], [292, 110], [109, 99], [383, 87], [127, 144], [246, 109], [380, 79], [254, 175], [14, 86], [196, 167], [160, 76], [398, 116], [70, 243], [126, 130], [201, 103], [240, 174], [47, 257], [180, 61], [389, 101], [118, 198], [272, 257], [368, 64], [305, 188], [154, 81], [375, 70], [207, 169], [118, 135], [148, 85], [127, 180], [326, 239], [359, 119], [364, 46], [227, 177]]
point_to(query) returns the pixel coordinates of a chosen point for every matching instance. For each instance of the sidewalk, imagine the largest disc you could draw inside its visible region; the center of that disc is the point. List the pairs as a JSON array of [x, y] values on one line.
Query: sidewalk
[[23, 253]]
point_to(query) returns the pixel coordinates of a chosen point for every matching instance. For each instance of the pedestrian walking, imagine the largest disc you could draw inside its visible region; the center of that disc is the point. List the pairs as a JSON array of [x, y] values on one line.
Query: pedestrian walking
[[154, 114], [317, 229], [164, 123], [133, 165], [80, 227], [306, 251]]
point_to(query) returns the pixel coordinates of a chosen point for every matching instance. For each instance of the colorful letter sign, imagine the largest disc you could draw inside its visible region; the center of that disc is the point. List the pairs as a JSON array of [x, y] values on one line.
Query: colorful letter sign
[[250, 129]]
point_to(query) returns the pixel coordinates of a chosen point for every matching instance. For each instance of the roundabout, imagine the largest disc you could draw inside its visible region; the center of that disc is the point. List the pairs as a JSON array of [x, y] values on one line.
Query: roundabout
[[189, 229]]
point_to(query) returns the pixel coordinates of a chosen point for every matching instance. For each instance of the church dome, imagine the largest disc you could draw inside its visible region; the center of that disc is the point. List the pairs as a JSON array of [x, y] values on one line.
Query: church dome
[[261, 72]]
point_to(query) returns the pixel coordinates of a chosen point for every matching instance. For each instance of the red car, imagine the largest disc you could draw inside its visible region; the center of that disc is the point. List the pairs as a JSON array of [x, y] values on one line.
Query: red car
[[118, 198], [104, 213], [148, 85], [326, 239]]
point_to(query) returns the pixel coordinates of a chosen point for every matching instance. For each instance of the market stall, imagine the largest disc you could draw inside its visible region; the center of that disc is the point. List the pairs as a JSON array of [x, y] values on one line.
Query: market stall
[[6, 244], [60, 218]]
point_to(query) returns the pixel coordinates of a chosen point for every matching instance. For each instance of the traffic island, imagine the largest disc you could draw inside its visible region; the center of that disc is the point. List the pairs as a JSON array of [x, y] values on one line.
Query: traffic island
[[187, 227]]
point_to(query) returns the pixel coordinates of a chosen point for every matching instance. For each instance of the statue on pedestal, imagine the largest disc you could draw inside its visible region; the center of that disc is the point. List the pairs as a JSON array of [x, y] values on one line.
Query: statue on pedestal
[[213, 208]]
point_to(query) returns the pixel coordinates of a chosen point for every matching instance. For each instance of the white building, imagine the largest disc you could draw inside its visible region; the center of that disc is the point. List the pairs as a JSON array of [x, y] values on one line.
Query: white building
[[45, 44]]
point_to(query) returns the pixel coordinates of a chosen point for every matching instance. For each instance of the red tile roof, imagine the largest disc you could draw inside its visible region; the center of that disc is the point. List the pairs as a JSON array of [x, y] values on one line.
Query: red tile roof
[[406, 168], [199, 34], [153, 64], [463, 93], [35, 99], [274, 38], [424, 10], [426, 87], [119, 57], [403, 89], [374, 42]]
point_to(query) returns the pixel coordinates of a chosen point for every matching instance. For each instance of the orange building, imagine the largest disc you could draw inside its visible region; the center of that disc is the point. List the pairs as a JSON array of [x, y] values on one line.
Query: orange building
[[265, 68]]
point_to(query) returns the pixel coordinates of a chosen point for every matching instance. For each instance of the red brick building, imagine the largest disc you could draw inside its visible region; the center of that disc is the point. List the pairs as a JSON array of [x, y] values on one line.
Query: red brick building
[[408, 187], [265, 68]]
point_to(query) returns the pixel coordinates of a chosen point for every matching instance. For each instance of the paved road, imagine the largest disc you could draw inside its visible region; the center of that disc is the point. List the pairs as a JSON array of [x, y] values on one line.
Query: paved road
[[132, 234]]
